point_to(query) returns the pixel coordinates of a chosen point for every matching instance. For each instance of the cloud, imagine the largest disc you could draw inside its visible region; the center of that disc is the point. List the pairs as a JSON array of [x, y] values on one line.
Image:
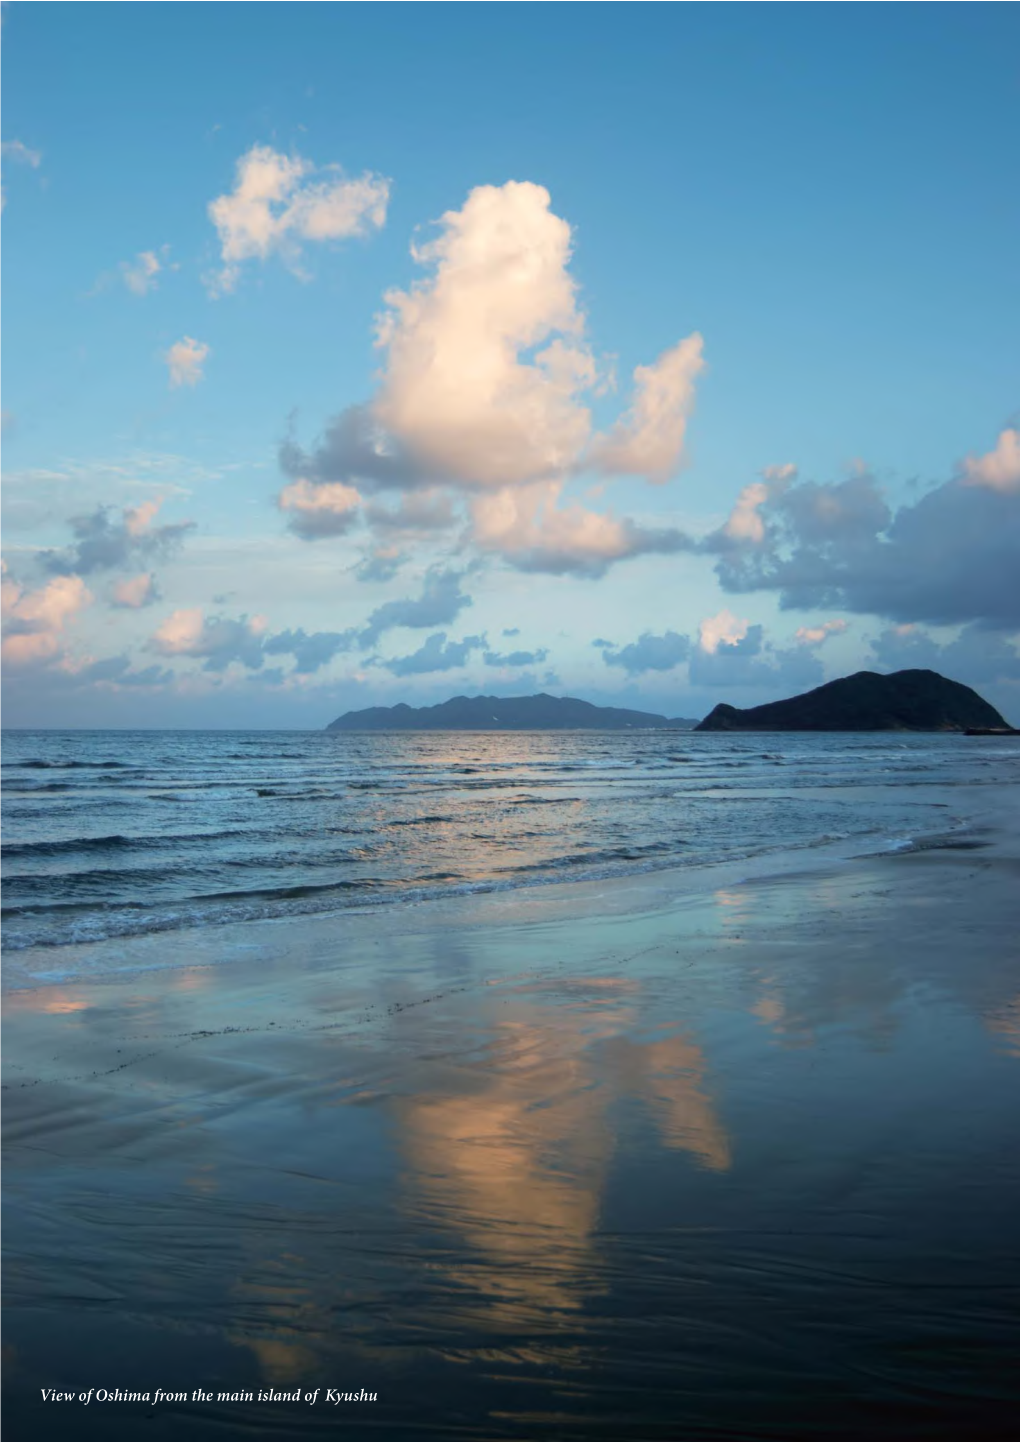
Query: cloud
[[975, 655], [483, 399], [310, 651], [21, 153], [185, 360], [818, 635], [117, 671], [949, 558], [35, 621], [456, 389], [512, 631], [103, 543], [277, 206], [381, 563], [435, 655], [136, 592], [648, 441], [728, 630], [317, 511], [515, 658], [140, 274], [440, 602], [647, 653], [999, 470], [217, 639], [529, 529]]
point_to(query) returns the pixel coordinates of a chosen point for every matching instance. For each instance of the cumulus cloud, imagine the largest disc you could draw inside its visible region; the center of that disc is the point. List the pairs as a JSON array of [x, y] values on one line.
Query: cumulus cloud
[[316, 511], [946, 559], [21, 153], [725, 629], [483, 399], [103, 542], [648, 441], [515, 658], [35, 622], [217, 639], [528, 527], [999, 470], [974, 656], [648, 653], [136, 591], [456, 388], [436, 654], [310, 650], [280, 203], [139, 275], [440, 602], [818, 635], [185, 360]]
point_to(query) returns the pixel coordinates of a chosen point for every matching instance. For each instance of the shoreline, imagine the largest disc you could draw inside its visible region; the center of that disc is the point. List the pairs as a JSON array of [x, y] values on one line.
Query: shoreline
[[727, 1156], [647, 886]]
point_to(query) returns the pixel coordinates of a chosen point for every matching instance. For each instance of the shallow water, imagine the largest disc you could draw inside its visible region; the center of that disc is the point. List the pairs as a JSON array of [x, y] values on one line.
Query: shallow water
[[120, 834], [742, 1166]]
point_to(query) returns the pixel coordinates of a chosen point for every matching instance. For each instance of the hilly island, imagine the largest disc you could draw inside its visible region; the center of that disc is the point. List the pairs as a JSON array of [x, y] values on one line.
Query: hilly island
[[505, 713], [867, 701]]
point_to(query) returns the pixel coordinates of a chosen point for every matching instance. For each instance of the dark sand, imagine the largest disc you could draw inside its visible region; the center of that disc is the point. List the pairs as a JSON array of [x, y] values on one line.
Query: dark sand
[[739, 1163]]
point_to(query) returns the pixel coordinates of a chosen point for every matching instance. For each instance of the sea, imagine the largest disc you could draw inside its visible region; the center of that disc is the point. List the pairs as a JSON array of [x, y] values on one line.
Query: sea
[[117, 834]]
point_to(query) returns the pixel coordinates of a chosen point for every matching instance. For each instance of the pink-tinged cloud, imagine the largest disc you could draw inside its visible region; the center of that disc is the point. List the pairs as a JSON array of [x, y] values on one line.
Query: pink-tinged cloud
[[649, 440], [314, 511], [218, 640], [721, 629], [818, 635], [456, 389], [136, 592], [35, 621], [276, 206], [484, 395], [999, 470], [185, 360]]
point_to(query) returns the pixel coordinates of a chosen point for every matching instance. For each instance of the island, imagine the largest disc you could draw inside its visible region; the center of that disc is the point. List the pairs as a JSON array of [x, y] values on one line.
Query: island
[[867, 701], [506, 713]]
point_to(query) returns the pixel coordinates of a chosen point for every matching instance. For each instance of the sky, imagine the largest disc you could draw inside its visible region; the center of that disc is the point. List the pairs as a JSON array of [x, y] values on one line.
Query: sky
[[659, 355]]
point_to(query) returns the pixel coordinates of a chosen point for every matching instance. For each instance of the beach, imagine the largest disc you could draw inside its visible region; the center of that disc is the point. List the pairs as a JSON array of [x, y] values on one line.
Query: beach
[[727, 1153]]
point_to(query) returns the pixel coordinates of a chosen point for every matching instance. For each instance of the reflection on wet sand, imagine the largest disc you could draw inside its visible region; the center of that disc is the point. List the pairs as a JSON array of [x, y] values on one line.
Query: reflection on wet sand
[[513, 1154]]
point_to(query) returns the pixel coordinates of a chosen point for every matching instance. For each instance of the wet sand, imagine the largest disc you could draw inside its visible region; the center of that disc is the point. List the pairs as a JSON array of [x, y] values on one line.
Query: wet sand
[[735, 1159]]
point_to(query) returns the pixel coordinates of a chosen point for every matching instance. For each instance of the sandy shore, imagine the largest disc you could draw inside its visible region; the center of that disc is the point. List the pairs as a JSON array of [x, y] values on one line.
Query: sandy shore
[[718, 1156]]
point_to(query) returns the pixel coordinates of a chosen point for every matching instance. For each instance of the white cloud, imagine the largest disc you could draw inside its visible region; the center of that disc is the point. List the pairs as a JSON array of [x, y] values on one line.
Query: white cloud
[[818, 635], [140, 274], [999, 470], [484, 392], [648, 441], [722, 629], [455, 388], [528, 527], [948, 558], [185, 359], [325, 510], [35, 621], [21, 153], [219, 640], [276, 206], [136, 592], [745, 524]]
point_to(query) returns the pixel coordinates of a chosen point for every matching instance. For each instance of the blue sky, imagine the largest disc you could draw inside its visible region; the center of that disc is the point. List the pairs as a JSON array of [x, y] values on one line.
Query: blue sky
[[210, 210]]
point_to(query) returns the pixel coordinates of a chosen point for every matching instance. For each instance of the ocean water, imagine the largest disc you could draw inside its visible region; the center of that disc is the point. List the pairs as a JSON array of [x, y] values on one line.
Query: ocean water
[[111, 834]]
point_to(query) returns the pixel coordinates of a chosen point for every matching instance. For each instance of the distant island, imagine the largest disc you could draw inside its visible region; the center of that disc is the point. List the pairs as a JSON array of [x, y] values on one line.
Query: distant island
[[505, 713], [902, 701]]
